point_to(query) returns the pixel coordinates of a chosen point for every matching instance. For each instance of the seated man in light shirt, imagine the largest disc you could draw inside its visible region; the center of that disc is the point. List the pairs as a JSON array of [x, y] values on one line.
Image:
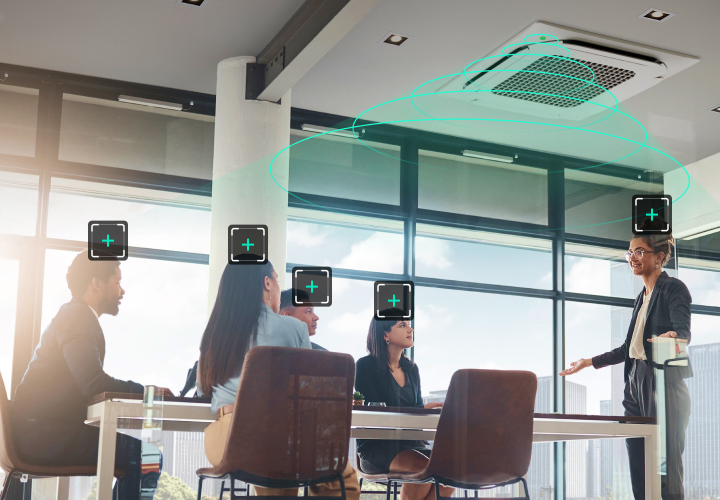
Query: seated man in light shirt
[[306, 314]]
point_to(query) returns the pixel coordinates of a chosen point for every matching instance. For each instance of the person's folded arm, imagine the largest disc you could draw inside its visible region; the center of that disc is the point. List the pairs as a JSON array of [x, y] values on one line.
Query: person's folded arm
[[613, 357], [81, 352], [678, 301]]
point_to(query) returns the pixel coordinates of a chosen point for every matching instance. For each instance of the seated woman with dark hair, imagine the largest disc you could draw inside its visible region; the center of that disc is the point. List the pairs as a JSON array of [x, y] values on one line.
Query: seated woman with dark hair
[[245, 316], [386, 375]]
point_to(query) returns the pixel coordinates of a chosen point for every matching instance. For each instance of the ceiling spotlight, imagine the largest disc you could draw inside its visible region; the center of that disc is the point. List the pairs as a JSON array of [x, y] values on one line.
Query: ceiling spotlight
[[656, 15], [395, 39], [194, 3]]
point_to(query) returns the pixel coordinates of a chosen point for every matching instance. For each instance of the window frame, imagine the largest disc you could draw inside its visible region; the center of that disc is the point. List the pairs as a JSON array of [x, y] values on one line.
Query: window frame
[[31, 249]]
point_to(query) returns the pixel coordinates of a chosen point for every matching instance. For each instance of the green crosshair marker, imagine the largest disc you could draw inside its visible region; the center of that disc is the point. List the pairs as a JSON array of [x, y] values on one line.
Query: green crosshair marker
[[394, 300], [311, 286], [108, 240], [652, 215], [248, 244]]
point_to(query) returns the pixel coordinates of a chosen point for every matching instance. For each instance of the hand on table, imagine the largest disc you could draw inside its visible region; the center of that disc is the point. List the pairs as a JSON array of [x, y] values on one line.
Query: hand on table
[[163, 391], [430, 406], [576, 366]]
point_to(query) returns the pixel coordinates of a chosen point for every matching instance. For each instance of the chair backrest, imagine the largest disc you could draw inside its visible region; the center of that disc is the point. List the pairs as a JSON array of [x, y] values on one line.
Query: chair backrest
[[292, 414], [8, 455], [485, 432]]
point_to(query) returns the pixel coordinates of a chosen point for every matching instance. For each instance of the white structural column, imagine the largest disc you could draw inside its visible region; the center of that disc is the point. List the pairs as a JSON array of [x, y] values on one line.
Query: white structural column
[[248, 134]]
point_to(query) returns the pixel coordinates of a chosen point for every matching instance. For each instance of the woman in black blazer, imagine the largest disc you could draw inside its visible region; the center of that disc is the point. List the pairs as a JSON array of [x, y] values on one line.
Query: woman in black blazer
[[662, 309], [386, 375]]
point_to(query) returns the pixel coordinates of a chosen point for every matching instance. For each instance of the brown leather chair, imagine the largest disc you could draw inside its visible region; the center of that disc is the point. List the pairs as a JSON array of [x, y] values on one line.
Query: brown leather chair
[[14, 466], [484, 436], [291, 423]]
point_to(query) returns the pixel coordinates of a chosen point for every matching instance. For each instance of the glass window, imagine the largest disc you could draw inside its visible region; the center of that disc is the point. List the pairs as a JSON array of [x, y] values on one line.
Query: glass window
[[599, 271], [702, 438], [18, 203], [485, 331], [596, 465], [156, 219], [345, 168], [9, 275], [155, 338], [457, 329], [482, 257], [708, 243], [592, 200], [115, 134], [702, 278], [18, 120], [348, 242], [463, 185]]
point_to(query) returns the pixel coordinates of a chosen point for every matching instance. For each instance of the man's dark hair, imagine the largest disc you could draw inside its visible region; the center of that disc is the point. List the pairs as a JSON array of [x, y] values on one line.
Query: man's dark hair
[[287, 295], [83, 270]]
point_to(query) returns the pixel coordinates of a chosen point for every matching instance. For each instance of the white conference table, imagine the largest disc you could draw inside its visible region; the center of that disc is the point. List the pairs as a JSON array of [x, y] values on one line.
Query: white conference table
[[111, 411]]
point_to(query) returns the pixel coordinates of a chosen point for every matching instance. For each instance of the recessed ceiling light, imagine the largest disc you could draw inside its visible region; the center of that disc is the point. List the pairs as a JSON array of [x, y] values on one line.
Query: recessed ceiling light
[[656, 15], [195, 3], [395, 39], [716, 109]]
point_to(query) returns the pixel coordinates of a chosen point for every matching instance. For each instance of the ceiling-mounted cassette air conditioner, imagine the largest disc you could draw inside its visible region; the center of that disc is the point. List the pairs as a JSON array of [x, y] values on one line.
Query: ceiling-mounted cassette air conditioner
[[542, 71]]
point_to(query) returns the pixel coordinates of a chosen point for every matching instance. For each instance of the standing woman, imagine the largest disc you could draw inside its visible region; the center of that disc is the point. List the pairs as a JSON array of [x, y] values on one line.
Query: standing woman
[[386, 375], [661, 309]]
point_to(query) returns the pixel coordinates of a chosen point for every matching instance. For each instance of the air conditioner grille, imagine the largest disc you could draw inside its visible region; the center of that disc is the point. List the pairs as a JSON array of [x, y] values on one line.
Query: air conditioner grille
[[605, 76]]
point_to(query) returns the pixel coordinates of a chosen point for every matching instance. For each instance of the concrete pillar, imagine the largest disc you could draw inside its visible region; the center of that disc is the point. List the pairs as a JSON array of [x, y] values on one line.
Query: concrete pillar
[[248, 134]]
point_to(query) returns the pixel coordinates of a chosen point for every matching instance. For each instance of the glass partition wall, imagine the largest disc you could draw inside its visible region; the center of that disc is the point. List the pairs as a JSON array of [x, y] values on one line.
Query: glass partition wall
[[500, 282]]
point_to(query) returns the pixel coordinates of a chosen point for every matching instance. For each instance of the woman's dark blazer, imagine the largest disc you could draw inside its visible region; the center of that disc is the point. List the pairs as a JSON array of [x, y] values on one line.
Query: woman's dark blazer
[[669, 310], [377, 387]]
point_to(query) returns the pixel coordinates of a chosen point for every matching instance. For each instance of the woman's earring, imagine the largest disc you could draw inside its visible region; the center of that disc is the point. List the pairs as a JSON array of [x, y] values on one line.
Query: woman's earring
[[657, 265], [387, 341]]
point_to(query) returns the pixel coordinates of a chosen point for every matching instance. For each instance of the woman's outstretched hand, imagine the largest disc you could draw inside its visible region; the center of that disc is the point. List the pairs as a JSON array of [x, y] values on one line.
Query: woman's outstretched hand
[[576, 366], [430, 406]]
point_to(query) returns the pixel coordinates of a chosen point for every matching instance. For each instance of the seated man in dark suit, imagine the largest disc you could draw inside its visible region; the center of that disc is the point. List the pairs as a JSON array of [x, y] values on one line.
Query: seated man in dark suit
[[306, 314], [50, 404]]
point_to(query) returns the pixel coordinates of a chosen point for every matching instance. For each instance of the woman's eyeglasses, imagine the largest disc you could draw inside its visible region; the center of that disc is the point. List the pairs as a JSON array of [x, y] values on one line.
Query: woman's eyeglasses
[[637, 253]]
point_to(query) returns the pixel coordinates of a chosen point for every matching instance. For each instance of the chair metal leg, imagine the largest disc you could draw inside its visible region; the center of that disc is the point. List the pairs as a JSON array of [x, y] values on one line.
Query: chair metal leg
[[342, 488], [395, 495], [232, 488], [524, 483], [389, 486], [222, 490], [437, 491], [200, 482], [306, 491]]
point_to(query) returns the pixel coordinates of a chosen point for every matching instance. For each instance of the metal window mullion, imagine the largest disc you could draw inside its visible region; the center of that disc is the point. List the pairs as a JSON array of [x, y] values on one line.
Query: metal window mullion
[[556, 221], [409, 206]]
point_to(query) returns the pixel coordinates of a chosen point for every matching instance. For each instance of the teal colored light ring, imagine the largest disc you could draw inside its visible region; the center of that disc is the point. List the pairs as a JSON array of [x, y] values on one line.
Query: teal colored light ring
[[411, 97], [272, 162], [412, 94]]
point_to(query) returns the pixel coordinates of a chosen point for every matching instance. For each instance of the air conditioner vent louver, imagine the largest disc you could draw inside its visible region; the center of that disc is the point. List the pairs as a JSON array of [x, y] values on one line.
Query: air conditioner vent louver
[[499, 80], [605, 76]]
